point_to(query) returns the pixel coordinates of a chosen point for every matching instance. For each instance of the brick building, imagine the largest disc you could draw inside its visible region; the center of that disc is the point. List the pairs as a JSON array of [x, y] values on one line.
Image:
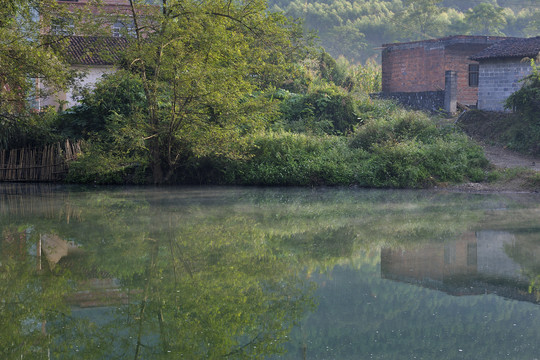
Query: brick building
[[502, 68], [113, 16], [414, 72]]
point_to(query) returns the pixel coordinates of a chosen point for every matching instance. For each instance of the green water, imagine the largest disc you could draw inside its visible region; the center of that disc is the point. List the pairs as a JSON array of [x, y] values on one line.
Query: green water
[[196, 273]]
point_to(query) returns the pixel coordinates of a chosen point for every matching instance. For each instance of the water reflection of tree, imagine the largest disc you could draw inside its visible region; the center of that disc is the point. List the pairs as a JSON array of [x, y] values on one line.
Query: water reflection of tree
[[27, 299], [220, 275], [198, 289]]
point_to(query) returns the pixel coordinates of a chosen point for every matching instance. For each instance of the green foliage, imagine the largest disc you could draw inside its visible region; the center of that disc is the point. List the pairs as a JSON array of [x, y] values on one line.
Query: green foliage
[[114, 96], [420, 20], [33, 130], [297, 159], [101, 166], [328, 109], [511, 130], [200, 69], [393, 148], [526, 100], [357, 28], [26, 57], [400, 126], [486, 19]]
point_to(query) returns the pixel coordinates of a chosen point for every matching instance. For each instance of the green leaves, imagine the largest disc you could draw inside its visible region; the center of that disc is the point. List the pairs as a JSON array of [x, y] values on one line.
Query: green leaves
[[486, 19], [198, 65]]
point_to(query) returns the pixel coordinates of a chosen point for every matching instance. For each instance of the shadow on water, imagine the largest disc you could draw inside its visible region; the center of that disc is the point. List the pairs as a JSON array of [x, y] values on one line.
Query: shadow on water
[[212, 272]]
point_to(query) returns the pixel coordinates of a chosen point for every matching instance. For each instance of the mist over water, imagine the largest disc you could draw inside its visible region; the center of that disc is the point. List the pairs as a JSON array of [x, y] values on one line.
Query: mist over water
[[208, 272]]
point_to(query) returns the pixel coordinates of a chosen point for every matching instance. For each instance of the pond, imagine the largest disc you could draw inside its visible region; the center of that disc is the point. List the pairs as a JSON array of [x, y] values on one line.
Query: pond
[[281, 273]]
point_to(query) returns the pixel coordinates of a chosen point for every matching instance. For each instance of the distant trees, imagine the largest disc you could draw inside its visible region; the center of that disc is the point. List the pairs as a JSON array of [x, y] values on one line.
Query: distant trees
[[419, 20], [357, 28], [486, 19]]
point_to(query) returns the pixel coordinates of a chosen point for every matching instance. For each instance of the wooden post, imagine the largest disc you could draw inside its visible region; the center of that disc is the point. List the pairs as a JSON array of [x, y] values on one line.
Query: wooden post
[[39, 253]]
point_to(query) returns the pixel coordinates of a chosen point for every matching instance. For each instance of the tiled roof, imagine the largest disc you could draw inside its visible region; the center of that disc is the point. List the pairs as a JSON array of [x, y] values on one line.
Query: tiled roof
[[516, 47], [452, 38], [95, 50]]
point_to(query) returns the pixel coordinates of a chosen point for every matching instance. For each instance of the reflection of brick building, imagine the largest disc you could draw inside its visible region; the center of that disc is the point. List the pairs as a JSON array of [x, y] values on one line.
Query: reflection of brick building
[[419, 67], [477, 263], [432, 263]]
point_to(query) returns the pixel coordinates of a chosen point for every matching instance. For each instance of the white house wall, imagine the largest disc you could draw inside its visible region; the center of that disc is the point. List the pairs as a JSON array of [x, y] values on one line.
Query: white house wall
[[497, 80], [92, 75], [68, 99]]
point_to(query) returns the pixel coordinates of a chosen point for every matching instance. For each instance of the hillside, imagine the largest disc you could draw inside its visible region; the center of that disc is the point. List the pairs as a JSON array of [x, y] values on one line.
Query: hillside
[[356, 29]]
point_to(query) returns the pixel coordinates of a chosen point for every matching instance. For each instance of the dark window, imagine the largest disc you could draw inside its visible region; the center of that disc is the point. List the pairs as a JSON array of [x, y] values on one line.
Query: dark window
[[472, 257], [473, 74], [62, 26], [121, 29]]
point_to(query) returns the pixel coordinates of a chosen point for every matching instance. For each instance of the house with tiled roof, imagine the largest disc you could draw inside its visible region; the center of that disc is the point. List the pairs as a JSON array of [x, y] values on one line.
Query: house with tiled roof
[[502, 66], [414, 73], [91, 57]]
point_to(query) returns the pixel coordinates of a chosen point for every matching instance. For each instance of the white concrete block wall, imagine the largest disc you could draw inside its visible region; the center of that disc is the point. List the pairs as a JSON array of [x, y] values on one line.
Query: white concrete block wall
[[498, 79]]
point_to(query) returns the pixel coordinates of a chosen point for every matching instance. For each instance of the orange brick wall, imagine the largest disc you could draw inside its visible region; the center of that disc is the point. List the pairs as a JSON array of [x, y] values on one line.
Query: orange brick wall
[[457, 59], [413, 70]]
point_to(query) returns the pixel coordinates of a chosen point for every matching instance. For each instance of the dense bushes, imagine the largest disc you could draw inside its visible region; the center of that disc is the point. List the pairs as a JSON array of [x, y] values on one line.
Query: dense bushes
[[117, 97], [400, 126], [324, 130], [328, 110], [525, 136], [400, 149]]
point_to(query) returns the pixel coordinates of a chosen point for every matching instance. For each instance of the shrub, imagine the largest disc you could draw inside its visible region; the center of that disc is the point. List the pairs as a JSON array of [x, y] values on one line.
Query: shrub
[[297, 159], [302, 159], [526, 100], [326, 110], [397, 126], [99, 166], [35, 130], [118, 95]]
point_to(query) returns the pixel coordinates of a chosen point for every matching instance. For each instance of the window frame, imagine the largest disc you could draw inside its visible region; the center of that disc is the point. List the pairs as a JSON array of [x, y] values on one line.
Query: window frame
[[474, 75]]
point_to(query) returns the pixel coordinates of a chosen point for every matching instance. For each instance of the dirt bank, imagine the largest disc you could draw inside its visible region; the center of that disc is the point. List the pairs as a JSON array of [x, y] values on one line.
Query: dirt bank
[[511, 171]]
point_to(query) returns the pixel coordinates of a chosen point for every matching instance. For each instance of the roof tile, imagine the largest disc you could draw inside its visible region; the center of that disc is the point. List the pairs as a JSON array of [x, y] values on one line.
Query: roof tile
[[510, 48], [95, 50]]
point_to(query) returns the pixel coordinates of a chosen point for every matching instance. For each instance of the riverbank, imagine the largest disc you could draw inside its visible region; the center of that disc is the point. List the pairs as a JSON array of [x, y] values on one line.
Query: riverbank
[[496, 133]]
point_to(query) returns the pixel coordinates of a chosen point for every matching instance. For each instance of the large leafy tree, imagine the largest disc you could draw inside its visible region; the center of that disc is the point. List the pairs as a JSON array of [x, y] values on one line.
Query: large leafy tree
[[200, 63], [26, 56]]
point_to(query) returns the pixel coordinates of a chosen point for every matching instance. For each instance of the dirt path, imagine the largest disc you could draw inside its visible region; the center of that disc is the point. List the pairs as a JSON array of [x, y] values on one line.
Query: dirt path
[[504, 158], [484, 127]]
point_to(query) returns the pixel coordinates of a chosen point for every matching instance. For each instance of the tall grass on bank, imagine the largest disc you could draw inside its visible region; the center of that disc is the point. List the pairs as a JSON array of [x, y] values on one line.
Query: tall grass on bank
[[389, 147], [392, 148]]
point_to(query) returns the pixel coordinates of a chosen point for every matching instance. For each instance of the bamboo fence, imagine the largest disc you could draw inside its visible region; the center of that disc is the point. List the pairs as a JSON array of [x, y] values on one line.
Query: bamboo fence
[[48, 164]]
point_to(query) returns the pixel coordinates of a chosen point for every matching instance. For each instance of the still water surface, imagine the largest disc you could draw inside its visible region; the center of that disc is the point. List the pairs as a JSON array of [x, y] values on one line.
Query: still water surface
[[194, 273]]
